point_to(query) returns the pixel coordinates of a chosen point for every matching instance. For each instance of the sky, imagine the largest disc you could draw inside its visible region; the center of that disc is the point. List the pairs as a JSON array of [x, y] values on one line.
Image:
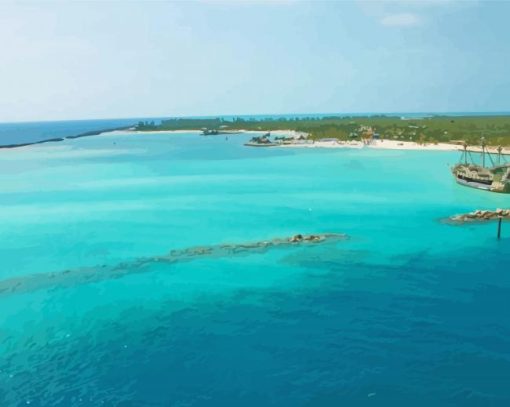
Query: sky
[[83, 60]]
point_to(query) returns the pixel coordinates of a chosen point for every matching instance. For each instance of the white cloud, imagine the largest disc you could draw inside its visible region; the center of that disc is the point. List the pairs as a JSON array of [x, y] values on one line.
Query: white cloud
[[411, 13], [401, 20]]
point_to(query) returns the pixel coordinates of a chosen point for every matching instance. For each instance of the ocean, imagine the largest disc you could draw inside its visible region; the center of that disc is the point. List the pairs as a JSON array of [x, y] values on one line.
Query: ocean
[[408, 310], [35, 132]]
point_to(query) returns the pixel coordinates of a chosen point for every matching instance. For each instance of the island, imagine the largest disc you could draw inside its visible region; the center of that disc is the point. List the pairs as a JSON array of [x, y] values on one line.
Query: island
[[386, 131]]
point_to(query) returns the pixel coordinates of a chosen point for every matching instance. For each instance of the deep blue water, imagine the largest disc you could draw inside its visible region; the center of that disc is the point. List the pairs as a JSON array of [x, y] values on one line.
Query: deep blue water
[[408, 311], [31, 132]]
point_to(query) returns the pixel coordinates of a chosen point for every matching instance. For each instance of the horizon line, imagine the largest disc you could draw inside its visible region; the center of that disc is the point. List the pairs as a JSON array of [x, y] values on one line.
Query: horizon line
[[388, 113]]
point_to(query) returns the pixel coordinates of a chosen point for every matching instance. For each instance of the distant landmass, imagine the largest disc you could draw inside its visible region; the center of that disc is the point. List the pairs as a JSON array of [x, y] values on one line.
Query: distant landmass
[[431, 127], [424, 128]]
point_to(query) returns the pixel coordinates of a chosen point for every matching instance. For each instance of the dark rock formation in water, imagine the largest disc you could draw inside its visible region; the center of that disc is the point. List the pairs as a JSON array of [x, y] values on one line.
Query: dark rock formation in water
[[55, 139], [74, 277], [480, 216]]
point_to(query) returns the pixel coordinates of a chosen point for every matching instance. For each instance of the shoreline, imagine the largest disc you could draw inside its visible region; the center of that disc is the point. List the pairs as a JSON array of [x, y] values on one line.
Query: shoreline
[[378, 144], [57, 139], [392, 145], [130, 130], [375, 144]]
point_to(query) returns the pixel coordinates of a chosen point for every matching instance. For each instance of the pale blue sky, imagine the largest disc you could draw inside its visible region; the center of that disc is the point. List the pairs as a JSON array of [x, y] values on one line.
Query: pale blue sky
[[77, 60]]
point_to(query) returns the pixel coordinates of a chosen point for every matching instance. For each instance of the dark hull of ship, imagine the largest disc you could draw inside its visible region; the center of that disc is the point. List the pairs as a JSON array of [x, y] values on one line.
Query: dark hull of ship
[[473, 184], [483, 185]]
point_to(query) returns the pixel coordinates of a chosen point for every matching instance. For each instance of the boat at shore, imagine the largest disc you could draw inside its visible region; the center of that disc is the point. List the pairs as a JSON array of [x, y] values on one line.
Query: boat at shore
[[494, 178], [261, 141]]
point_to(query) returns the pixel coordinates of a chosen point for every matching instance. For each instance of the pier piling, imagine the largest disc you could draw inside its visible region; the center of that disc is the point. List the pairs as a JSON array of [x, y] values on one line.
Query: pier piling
[[499, 227]]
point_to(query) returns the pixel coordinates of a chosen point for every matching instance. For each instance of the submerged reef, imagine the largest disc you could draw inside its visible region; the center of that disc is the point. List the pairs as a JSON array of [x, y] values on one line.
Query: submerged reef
[[84, 275]]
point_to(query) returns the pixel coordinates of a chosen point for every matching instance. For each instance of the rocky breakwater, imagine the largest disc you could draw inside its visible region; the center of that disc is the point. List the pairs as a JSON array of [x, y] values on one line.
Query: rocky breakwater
[[231, 249], [480, 216], [308, 238], [73, 277]]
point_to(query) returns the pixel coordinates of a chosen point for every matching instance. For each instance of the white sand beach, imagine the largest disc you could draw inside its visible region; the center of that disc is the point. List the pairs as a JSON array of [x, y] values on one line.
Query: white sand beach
[[410, 145], [153, 131], [388, 145], [377, 144]]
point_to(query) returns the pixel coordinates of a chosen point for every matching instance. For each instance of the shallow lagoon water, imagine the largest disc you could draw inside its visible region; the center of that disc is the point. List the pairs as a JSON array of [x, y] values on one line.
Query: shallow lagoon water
[[408, 310]]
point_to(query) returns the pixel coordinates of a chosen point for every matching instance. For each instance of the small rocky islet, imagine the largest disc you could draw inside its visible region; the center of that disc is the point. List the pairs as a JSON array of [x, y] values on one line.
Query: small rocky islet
[[480, 216]]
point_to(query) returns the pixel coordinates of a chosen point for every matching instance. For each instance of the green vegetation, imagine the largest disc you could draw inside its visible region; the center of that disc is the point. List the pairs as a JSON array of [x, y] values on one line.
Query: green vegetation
[[495, 129]]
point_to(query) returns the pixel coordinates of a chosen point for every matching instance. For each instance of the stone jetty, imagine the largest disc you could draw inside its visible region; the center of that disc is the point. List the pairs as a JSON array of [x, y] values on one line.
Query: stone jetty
[[480, 216]]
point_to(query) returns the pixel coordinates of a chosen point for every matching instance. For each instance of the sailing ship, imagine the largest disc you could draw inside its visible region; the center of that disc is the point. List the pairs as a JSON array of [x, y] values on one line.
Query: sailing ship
[[494, 178]]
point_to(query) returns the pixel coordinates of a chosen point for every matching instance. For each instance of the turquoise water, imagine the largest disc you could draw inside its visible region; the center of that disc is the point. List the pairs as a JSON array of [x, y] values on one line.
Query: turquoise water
[[408, 310]]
